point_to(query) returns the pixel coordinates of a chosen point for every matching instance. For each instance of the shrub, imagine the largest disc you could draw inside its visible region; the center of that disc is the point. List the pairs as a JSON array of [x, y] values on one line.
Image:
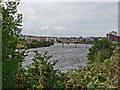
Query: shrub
[[41, 73], [97, 75], [102, 49]]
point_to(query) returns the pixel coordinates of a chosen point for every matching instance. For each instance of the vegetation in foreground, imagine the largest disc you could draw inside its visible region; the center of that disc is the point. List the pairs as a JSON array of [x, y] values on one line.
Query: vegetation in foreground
[[102, 71], [96, 75]]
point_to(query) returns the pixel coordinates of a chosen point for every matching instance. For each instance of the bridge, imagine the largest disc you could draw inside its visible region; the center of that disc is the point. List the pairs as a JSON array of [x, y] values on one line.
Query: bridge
[[77, 45]]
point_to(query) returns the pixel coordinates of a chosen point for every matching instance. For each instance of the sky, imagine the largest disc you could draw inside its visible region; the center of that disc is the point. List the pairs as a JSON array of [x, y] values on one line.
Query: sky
[[71, 19]]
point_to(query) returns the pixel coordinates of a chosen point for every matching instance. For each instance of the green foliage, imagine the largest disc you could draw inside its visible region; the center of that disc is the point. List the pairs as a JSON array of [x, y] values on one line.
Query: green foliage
[[0, 58], [118, 43], [95, 40], [12, 56], [59, 41], [37, 44], [41, 73], [91, 85], [97, 75], [101, 78], [100, 51]]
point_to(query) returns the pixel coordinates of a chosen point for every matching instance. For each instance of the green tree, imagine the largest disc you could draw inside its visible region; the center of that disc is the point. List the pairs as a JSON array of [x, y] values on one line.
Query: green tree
[[102, 49], [95, 39], [59, 41], [12, 56], [41, 73]]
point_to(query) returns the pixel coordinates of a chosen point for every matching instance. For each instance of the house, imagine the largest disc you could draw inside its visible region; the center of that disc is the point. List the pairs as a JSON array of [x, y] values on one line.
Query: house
[[112, 36]]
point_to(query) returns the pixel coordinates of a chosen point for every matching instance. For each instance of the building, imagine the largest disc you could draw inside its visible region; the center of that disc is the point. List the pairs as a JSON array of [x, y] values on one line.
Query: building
[[112, 36]]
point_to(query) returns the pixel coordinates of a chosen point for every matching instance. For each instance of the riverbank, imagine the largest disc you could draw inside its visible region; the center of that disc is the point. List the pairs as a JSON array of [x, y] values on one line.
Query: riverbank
[[37, 44]]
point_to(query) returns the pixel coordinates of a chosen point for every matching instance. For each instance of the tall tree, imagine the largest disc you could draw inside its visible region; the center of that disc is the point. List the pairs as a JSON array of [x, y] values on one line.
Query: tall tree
[[12, 56]]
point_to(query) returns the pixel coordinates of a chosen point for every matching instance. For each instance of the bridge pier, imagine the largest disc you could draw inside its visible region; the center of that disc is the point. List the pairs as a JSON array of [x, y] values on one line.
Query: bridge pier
[[75, 45], [86, 45], [62, 44]]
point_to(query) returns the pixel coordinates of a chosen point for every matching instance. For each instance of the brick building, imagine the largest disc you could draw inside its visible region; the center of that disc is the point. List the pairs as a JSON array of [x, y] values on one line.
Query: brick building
[[112, 36]]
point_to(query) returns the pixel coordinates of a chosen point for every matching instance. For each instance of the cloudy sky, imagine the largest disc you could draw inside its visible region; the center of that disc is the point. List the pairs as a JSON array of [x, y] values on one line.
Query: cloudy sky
[[69, 18]]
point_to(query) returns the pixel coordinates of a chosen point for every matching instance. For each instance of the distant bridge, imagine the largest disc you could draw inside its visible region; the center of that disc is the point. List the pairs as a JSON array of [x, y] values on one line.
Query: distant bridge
[[76, 45]]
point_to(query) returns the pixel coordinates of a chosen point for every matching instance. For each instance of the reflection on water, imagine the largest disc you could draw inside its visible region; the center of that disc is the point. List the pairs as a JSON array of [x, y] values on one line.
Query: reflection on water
[[68, 56]]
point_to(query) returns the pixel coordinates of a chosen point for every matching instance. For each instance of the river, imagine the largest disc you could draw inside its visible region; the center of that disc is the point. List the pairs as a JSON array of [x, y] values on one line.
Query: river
[[68, 56]]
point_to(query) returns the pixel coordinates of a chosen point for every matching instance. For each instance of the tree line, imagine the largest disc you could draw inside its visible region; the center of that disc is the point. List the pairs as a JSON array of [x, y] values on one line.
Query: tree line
[[37, 44]]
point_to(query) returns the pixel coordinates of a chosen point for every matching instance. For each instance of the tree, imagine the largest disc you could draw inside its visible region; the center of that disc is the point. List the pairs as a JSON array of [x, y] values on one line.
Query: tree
[[102, 49], [12, 56], [95, 39], [40, 73]]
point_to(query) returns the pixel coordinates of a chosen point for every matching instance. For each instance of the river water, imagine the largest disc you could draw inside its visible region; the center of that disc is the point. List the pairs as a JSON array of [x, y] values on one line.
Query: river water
[[68, 56]]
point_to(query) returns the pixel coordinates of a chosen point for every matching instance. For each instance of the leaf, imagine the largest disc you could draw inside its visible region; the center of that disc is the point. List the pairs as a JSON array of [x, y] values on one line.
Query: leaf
[[101, 78], [118, 80], [100, 87], [91, 85]]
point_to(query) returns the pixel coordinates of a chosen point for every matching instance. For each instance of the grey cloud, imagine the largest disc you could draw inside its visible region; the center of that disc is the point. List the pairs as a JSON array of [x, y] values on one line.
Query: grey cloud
[[81, 16]]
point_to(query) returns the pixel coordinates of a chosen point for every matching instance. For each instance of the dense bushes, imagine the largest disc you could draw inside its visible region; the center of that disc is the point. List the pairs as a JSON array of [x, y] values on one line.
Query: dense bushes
[[41, 74], [98, 75], [103, 73], [37, 44], [100, 51]]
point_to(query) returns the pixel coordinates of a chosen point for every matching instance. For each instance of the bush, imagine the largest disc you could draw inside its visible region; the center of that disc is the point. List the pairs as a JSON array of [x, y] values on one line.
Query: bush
[[97, 75], [102, 49], [41, 73]]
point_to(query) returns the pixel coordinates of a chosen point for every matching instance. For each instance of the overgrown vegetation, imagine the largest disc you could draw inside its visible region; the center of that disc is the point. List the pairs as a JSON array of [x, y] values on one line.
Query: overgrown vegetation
[[41, 74], [101, 50], [98, 75], [102, 70]]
